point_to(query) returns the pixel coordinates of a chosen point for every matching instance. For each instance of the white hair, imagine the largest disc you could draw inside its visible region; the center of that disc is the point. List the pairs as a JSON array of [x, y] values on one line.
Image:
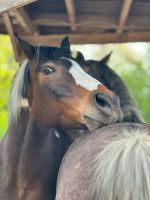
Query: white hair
[[123, 168], [16, 100]]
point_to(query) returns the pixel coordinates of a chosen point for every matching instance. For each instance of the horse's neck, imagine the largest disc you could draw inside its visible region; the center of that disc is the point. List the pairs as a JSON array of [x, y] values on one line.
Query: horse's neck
[[42, 152], [116, 84], [34, 156], [10, 150], [12, 142], [127, 103], [74, 134]]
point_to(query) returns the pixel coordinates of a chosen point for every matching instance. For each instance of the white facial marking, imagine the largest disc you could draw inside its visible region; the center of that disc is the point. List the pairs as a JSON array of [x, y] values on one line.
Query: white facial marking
[[81, 78], [57, 134]]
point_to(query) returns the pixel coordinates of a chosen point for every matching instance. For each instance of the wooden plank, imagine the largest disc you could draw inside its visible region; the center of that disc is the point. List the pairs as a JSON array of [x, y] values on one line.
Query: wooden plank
[[98, 38], [71, 13], [51, 19], [60, 19], [9, 28], [25, 21], [6, 5], [47, 6], [140, 8], [124, 14], [66, 30], [102, 7]]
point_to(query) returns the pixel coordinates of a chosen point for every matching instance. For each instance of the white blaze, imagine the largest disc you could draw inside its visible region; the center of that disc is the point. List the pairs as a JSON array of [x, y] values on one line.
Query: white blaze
[[81, 78]]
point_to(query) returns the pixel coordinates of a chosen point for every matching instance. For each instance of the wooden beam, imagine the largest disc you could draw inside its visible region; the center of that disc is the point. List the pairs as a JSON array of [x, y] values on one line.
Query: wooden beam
[[124, 14], [91, 23], [25, 21], [60, 19], [51, 19], [13, 4], [9, 28], [71, 13], [98, 38]]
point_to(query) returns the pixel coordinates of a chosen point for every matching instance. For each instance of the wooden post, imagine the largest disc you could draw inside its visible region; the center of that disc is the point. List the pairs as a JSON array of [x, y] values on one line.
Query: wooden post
[[9, 28], [124, 14], [25, 21], [71, 13]]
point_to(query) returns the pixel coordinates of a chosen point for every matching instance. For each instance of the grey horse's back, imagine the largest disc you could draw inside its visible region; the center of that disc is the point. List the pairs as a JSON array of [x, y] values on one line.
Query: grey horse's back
[[108, 164]]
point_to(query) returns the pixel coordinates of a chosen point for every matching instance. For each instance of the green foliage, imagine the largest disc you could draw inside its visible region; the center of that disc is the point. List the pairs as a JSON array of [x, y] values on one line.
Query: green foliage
[[7, 71], [132, 65]]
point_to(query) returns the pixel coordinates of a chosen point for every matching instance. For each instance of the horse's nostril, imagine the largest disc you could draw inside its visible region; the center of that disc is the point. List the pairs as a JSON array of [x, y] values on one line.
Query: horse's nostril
[[102, 102]]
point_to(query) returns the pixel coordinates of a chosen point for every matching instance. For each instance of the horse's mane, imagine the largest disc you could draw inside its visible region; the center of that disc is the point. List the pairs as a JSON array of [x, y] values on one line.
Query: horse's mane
[[122, 169], [17, 100]]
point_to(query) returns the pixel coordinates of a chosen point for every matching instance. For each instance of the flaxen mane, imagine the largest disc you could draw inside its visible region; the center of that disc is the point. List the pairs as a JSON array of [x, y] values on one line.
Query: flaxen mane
[[17, 99]]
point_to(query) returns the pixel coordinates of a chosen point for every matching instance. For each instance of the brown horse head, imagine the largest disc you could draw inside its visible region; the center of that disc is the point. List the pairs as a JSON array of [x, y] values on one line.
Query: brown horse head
[[61, 94]]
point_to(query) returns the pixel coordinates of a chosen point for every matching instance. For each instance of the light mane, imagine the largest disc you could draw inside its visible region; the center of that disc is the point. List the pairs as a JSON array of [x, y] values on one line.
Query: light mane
[[123, 168], [16, 100]]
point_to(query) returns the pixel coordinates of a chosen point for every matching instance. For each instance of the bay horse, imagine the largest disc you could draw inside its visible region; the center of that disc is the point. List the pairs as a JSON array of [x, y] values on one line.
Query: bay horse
[[50, 92], [112, 163], [102, 72]]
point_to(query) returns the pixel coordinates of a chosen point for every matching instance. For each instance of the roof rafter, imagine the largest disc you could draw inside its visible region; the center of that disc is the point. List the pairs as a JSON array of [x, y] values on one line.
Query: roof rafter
[[9, 28], [71, 13], [5, 6], [97, 38], [124, 14], [25, 21]]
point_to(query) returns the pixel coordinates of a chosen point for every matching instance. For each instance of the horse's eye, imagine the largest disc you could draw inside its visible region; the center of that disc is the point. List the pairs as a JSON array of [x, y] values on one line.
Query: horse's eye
[[48, 70]]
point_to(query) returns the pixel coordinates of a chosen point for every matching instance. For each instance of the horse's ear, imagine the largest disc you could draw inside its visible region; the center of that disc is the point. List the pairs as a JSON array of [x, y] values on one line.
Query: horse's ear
[[27, 48], [80, 57], [65, 44], [106, 58]]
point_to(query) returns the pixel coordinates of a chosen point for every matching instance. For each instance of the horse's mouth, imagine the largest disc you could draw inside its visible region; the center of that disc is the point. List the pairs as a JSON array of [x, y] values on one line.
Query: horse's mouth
[[92, 124], [91, 119]]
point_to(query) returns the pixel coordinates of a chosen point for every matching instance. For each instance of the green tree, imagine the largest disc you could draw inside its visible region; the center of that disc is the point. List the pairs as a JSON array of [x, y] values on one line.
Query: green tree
[[7, 70]]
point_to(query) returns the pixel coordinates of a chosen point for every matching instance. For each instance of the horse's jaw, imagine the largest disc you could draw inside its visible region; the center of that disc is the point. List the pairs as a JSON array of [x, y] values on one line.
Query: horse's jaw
[[92, 124]]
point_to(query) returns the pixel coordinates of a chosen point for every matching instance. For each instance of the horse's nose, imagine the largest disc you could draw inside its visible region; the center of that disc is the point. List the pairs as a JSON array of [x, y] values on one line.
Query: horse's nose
[[103, 102]]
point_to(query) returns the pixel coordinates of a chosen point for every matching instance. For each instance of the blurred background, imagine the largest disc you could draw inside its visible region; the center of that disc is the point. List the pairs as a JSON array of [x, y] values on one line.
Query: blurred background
[[130, 60]]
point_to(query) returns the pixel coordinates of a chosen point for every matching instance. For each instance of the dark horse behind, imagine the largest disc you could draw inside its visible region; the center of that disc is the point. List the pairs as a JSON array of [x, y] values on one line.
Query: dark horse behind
[[50, 91], [102, 72]]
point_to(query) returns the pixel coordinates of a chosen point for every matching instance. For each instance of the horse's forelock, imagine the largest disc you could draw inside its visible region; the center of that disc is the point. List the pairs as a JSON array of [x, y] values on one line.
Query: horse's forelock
[[44, 53], [18, 94]]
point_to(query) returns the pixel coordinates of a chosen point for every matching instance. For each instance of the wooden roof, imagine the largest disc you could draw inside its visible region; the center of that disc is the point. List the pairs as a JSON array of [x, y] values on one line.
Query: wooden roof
[[85, 21]]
